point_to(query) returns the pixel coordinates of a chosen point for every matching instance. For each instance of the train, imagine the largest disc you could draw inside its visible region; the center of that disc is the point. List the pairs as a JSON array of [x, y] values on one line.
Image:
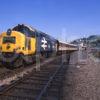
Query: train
[[22, 43]]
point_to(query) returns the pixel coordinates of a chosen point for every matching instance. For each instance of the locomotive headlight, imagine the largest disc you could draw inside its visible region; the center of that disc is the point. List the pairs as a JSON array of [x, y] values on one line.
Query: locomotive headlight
[[9, 32], [17, 48]]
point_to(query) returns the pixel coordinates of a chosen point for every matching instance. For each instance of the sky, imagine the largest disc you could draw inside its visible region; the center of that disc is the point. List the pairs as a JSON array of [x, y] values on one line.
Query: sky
[[68, 19]]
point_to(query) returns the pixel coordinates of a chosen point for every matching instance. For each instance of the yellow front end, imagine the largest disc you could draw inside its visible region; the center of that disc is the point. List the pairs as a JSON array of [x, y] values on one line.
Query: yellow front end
[[17, 42]]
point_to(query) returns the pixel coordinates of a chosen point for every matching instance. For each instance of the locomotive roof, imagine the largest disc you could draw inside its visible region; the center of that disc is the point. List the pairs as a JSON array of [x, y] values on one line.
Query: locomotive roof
[[31, 31], [22, 28]]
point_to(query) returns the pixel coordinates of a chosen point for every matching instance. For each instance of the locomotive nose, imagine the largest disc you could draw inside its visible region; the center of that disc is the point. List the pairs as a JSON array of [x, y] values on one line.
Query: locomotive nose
[[8, 43], [8, 47]]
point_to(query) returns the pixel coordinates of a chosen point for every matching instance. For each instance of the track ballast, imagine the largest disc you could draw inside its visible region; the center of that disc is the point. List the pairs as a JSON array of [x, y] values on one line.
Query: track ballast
[[45, 84]]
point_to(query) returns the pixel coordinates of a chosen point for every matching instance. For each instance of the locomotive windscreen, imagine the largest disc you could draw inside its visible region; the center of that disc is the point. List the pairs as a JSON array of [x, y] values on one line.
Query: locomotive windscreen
[[25, 30], [9, 40]]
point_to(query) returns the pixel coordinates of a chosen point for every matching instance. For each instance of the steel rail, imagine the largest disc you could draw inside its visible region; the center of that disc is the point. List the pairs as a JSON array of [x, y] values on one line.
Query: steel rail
[[48, 83]]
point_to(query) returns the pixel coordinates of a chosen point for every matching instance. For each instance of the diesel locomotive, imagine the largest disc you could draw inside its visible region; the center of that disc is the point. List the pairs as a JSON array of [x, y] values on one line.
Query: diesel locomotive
[[22, 43]]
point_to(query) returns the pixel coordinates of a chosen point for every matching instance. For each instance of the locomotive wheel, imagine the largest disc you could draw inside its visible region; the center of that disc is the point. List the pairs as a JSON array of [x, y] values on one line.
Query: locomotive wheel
[[14, 65], [8, 65], [45, 54], [18, 62]]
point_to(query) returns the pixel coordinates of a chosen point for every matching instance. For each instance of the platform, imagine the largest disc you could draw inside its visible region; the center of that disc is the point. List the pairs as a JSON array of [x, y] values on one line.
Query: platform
[[82, 81]]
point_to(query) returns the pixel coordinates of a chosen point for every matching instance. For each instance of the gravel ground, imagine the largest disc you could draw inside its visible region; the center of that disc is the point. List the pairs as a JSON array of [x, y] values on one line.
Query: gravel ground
[[82, 81]]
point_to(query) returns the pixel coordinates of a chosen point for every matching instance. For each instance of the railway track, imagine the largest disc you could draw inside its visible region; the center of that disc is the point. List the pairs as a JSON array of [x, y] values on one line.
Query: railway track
[[45, 84], [6, 76]]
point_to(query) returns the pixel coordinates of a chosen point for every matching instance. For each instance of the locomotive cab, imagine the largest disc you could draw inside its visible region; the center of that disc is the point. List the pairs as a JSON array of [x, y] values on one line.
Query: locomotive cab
[[15, 47], [12, 43], [29, 39]]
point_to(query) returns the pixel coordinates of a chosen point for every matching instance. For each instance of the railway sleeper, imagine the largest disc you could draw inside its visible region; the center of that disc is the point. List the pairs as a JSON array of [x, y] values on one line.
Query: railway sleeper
[[36, 88], [41, 72], [38, 78], [40, 83], [17, 97], [30, 86], [59, 76], [23, 92], [48, 70], [35, 81], [53, 91], [50, 98], [44, 80], [52, 94], [41, 75]]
